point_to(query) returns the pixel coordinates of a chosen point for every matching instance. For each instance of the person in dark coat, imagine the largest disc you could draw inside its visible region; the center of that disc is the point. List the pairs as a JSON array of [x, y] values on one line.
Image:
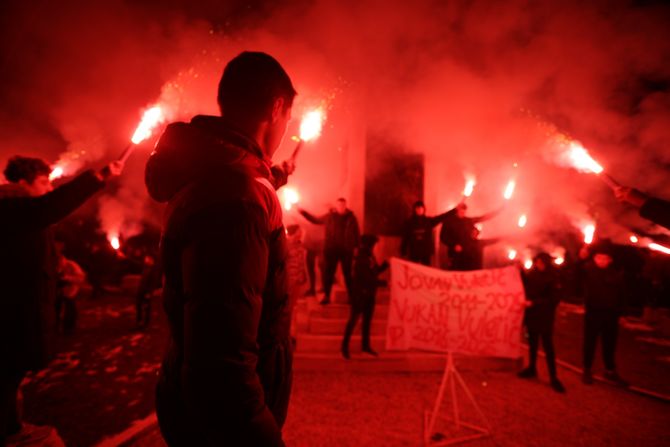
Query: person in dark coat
[[456, 234], [341, 239], [28, 271], [150, 282], [603, 290], [651, 208], [417, 240], [226, 377], [541, 286], [365, 278]]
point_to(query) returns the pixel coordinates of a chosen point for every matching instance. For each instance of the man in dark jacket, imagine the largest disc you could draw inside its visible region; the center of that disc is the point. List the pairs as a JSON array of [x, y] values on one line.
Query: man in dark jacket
[[417, 240], [457, 235], [342, 237], [366, 273], [656, 210], [541, 286], [226, 377], [28, 271], [604, 301]]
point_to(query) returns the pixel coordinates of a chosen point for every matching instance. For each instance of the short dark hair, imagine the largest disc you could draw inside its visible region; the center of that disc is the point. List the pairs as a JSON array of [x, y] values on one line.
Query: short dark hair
[[250, 83], [25, 168], [341, 199]]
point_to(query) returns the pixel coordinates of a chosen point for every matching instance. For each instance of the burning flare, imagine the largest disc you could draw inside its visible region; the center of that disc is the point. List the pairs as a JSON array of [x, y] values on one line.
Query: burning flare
[[511, 254], [634, 239], [56, 172], [469, 186], [528, 264], [559, 260], [589, 230], [290, 197], [114, 241], [152, 117], [311, 125], [509, 189], [580, 159], [657, 247], [523, 220]]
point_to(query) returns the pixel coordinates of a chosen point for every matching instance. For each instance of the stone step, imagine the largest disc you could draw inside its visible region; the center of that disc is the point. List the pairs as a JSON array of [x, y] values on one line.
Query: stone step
[[396, 361], [339, 295], [335, 326], [333, 343], [340, 311]]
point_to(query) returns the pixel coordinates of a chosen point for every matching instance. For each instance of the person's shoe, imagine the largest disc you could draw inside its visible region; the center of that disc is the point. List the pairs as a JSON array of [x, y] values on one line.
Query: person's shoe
[[557, 386], [345, 353], [587, 377], [310, 292], [370, 351], [527, 373], [614, 377], [324, 301], [30, 434]]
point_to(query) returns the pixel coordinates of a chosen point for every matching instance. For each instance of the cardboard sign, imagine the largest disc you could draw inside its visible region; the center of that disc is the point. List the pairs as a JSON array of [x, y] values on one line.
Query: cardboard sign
[[478, 312]]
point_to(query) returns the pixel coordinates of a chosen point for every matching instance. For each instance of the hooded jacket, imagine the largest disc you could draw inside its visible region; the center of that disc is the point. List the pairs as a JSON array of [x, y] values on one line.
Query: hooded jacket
[[28, 269], [226, 377]]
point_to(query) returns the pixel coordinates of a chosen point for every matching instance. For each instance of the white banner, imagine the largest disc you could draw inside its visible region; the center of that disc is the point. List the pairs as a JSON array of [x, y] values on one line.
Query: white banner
[[478, 312]]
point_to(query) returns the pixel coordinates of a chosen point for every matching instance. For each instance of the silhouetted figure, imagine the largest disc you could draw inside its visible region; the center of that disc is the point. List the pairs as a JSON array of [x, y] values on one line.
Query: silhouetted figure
[[341, 239], [226, 378], [150, 282], [417, 240], [457, 235], [366, 273], [70, 279], [604, 301], [541, 286], [28, 273]]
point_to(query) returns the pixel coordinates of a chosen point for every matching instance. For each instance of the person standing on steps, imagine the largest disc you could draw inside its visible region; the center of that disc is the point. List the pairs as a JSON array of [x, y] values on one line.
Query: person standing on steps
[[365, 278], [342, 236]]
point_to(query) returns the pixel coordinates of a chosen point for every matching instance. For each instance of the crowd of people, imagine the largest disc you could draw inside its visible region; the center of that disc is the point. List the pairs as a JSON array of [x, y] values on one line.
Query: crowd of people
[[225, 262]]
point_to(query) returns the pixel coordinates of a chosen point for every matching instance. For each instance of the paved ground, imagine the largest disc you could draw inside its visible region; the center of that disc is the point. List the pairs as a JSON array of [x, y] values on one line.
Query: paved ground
[[103, 382], [329, 409]]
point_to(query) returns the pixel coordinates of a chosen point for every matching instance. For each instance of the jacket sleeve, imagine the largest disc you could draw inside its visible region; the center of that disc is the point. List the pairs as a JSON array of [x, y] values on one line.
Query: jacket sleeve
[[40, 212], [279, 176], [436, 220], [318, 220], [657, 210], [224, 272], [485, 217]]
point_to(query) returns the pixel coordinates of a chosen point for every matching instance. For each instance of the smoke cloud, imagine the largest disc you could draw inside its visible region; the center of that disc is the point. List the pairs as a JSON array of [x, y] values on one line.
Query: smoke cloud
[[475, 86]]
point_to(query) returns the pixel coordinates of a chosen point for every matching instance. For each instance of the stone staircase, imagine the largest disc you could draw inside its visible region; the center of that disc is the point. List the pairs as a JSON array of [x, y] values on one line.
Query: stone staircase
[[319, 330]]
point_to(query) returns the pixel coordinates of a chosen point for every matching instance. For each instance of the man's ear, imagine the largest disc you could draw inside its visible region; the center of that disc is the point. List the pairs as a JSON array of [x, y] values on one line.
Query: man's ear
[[277, 109]]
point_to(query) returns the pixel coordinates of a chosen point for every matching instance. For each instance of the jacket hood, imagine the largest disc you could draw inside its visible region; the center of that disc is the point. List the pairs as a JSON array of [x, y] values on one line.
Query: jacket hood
[[205, 146]]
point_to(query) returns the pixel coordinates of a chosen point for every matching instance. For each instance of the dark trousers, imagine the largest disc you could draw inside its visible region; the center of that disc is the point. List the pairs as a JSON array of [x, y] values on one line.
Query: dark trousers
[[142, 309], [332, 257], [603, 324], [547, 345], [66, 314], [10, 414], [365, 306]]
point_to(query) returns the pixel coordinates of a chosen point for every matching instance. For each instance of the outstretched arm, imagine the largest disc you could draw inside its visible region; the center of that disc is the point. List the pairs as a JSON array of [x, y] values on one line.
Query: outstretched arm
[[318, 220], [40, 212]]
